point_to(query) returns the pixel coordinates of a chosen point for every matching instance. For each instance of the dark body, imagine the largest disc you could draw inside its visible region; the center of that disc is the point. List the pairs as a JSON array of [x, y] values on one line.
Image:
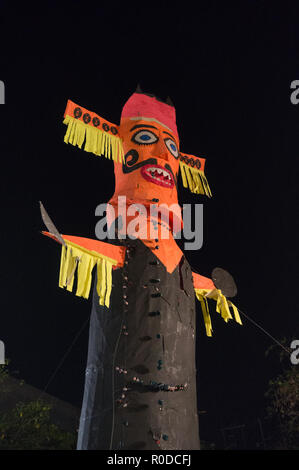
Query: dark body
[[140, 388]]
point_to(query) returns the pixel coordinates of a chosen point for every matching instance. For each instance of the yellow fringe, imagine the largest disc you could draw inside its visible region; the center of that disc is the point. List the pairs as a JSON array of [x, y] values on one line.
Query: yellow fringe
[[222, 306], [195, 180], [96, 140], [75, 258]]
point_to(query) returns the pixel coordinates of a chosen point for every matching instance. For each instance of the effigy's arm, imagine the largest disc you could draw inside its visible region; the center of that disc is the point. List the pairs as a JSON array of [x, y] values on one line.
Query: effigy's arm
[[92, 133], [80, 255], [205, 289]]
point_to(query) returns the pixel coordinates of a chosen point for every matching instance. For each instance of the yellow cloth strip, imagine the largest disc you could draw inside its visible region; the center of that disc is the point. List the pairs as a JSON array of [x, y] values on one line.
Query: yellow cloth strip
[[75, 258], [199, 188], [222, 306], [206, 315], [96, 141], [191, 185], [108, 283], [63, 265], [101, 282], [236, 312], [183, 174], [84, 271], [195, 180], [205, 183]]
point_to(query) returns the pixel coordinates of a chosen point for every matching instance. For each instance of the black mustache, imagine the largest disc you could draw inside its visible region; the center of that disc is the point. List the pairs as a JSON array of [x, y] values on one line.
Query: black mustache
[[131, 165]]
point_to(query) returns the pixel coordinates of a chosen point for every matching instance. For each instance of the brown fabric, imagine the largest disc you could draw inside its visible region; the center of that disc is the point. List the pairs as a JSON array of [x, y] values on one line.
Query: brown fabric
[[157, 349]]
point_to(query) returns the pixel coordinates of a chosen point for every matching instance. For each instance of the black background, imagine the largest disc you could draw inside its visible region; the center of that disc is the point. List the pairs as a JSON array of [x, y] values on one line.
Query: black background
[[228, 67]]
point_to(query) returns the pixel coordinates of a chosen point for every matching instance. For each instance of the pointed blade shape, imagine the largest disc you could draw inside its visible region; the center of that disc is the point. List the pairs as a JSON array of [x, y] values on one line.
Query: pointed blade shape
[[49, 224]]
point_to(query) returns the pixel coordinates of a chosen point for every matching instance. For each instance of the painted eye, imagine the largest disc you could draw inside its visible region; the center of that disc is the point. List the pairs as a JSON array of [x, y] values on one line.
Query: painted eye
[[144, 137], [172, 147]]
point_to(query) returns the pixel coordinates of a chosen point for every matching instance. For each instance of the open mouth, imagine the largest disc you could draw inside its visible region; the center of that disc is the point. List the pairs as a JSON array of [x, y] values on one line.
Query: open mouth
[[158, 175]]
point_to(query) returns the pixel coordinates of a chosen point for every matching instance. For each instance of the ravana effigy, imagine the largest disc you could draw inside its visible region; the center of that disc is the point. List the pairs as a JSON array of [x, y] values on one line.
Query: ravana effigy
[[140, 385]]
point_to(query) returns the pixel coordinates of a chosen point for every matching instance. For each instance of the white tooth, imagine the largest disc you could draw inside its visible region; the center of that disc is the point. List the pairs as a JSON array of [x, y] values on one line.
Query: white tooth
[[159, 171]]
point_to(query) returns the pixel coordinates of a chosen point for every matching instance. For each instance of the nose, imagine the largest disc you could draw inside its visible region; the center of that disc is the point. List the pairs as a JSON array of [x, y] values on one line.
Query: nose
[[160, 150]]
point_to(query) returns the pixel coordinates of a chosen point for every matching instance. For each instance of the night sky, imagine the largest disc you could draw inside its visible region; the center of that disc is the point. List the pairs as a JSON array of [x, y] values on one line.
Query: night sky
[[227, 67]]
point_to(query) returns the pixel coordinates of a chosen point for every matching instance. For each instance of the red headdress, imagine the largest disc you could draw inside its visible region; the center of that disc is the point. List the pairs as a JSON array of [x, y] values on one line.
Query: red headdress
[[149, 108]]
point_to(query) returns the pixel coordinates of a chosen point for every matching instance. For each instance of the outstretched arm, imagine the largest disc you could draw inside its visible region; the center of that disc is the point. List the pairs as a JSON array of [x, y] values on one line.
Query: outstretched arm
[[82, 255], [205, 289]]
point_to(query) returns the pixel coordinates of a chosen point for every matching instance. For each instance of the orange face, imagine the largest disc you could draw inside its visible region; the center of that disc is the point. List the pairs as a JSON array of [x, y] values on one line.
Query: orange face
[[151, 161]]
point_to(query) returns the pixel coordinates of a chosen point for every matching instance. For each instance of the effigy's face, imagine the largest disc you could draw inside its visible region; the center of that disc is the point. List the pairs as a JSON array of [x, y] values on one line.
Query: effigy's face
[[151, 160]]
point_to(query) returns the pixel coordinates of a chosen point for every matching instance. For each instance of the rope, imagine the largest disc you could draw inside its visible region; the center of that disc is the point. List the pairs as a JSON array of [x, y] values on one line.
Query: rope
[[65, 355], [54, 374], [113, 384], [288, 350]]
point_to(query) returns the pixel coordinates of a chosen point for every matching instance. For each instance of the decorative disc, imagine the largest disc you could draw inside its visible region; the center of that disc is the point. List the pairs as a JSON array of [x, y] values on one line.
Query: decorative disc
[[224, 281]]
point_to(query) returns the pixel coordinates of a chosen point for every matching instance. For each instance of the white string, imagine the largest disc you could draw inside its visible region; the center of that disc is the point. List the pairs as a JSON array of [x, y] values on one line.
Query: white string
[[264, 331]]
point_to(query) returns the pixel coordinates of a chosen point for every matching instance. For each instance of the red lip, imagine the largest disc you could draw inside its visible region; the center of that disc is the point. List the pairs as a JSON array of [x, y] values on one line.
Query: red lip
[[158, 175]]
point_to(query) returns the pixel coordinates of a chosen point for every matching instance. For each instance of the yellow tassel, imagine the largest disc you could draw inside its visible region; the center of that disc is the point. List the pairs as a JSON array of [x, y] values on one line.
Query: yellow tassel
[[222, 307], [195, 180], [189, 179], [205, 183], [84, 271], [183, 174], [101, 281], [72, 132], [73, 263], [206, 316], [198, 189], [75, 258], [97, 141], [236, 312], [63, 265], [108, 283]]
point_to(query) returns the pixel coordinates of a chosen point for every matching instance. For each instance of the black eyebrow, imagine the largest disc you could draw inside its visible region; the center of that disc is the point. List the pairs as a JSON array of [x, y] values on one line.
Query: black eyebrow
[[142, 125], [164, 132]]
